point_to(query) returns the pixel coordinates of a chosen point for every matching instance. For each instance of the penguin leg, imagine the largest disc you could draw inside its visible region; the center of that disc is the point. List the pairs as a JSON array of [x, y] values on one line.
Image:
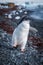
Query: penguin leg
[[23, 46], [14, 41]]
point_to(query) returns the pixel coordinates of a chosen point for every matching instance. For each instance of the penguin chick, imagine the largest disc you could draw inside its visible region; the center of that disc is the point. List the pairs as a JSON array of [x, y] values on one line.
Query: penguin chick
[[20, 34]]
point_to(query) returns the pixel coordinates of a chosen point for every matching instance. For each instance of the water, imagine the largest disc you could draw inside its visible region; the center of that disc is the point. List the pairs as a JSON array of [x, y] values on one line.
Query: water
[[21, 2]]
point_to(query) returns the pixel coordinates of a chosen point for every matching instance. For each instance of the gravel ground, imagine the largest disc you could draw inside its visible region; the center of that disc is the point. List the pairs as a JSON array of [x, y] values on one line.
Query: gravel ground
[[8, 56]]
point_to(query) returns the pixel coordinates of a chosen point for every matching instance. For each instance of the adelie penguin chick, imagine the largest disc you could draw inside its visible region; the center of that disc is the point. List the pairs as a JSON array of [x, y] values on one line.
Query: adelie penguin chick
[[20, 34]]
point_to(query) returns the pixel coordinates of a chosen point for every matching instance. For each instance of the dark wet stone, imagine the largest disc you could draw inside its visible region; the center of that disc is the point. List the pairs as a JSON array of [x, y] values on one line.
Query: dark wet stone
[[12, 63], [26, 63], [42, 63]]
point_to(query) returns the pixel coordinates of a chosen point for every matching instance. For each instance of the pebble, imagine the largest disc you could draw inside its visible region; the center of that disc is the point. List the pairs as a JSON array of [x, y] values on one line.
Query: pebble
[[17, 17]]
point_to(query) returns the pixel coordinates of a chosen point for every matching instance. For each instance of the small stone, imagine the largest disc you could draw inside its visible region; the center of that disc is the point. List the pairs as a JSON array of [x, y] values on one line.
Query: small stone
[[17, 17]]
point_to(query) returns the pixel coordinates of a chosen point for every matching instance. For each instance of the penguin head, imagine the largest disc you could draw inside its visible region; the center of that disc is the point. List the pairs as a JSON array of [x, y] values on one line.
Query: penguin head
[[24, 18]]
